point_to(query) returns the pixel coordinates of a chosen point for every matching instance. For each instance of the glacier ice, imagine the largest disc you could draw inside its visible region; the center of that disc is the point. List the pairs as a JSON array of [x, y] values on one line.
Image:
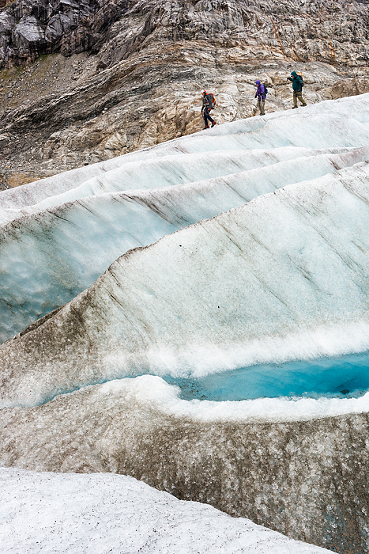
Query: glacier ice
[[281, 276], [283, 464], [310, 233], [342, 123], [66, 513], [59, 234], [213, 268], [49, 256], [284, 276]]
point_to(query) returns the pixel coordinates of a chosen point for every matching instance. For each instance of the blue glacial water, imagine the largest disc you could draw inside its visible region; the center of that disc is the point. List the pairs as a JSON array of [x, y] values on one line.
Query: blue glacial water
[[347, 376]]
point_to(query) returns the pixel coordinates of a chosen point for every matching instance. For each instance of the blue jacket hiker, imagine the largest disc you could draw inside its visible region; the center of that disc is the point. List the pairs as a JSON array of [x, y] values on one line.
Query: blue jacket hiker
[[260, 95]]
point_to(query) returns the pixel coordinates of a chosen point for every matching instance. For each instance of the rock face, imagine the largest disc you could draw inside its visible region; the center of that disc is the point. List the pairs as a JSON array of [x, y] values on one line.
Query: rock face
[[134, 71], [313, 30], [33, 27]]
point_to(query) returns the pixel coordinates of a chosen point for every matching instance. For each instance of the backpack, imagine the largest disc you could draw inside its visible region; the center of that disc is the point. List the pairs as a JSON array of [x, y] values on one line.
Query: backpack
[[211, 100], [301, 80], [265, 89]]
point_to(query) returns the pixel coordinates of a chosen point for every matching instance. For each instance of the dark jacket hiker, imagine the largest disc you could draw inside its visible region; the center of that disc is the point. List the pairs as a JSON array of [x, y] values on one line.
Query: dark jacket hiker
[[297, 84], [207, 105]]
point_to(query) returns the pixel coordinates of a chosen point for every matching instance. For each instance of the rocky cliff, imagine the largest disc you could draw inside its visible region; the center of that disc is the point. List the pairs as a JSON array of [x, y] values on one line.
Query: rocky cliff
[[86, 81]]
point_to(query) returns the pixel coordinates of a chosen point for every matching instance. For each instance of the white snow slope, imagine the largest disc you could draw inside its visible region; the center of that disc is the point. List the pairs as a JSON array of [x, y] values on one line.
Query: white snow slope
[[101, 514]]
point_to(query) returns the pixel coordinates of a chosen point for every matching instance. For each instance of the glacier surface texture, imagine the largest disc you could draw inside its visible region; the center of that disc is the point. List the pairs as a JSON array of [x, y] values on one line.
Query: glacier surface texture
[[204, 321], [72, 513]]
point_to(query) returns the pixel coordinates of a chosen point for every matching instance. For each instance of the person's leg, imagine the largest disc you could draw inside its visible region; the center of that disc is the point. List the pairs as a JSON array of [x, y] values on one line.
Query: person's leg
[[207, 118], [262, 106], [301, 99], [295, 99]]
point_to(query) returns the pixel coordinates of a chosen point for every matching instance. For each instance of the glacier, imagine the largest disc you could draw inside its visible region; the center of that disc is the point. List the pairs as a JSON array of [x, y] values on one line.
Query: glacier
[[65, 513], [302, 471], [59, 234], [203, 320], [51, 255], [196, 301]]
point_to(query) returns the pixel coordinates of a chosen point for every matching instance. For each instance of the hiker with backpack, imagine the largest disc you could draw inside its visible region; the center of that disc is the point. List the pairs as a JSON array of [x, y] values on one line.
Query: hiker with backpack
[[260, 94], [208, 103], [297, 84]]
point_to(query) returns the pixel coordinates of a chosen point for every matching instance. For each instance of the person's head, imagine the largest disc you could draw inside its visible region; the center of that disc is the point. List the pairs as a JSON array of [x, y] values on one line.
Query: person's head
[[293, 74], [203, 92], [257, 83]]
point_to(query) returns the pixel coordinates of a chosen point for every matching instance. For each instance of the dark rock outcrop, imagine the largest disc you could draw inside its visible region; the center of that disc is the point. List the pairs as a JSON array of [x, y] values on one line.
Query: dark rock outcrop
[[29, 28]]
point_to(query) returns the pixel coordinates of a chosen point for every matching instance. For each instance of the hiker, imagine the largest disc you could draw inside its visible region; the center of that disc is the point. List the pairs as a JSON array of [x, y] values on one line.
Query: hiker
[[207, 105], [260, 95], [297, 84]]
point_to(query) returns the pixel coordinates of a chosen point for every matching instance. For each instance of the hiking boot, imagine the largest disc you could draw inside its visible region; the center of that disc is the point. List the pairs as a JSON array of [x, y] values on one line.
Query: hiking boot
[[304, 105], [294, 107], [207, 127], [214, 123]]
